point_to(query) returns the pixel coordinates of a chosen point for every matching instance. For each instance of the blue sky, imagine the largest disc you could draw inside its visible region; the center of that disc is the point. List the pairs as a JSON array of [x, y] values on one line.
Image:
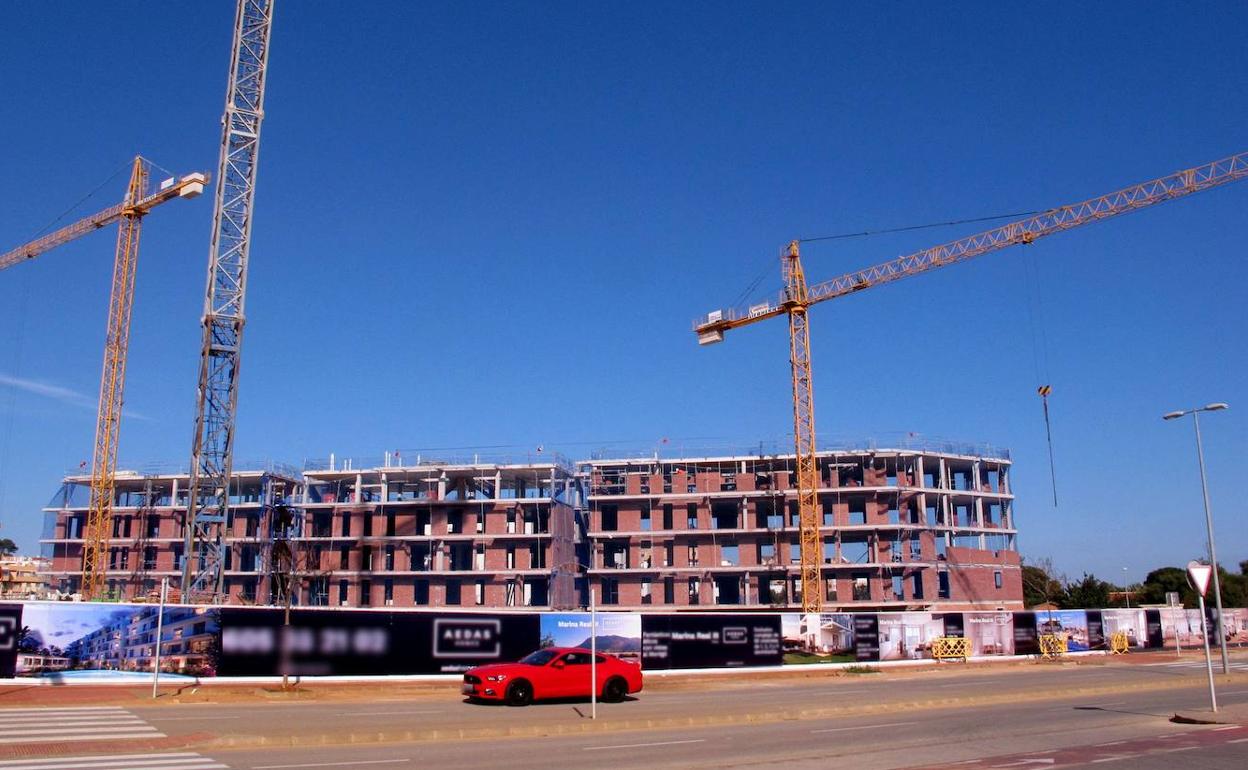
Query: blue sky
[[491, 225]]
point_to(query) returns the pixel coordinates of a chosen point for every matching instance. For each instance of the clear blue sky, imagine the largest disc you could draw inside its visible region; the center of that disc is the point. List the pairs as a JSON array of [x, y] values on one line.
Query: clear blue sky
[[491, 224]]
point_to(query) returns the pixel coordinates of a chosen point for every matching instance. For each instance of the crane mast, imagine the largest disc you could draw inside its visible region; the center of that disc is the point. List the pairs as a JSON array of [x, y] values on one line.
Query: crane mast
[[797, 297], [212, 451]]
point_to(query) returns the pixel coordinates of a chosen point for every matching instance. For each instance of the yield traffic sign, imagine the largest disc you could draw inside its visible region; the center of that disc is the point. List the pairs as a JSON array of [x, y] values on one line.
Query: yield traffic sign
[[1199, 575]]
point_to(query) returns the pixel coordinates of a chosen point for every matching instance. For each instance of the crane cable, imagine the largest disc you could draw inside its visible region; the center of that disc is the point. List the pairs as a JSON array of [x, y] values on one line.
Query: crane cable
[[1040, 355]]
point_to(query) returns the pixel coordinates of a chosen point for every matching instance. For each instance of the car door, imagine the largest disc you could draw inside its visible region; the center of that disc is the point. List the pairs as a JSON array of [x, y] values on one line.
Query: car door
[[573, 677]]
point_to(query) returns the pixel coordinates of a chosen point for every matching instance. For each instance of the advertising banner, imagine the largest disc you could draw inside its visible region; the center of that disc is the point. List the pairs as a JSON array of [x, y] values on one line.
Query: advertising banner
[[10, 631], [618, 633], [1026, 639], [908, 635], [1096, 634], [817, 638], [116, 642], [991, 633], [710, 641], [1073, 624], [255, 642], [953, 622], [866, 637], [1128, 622]]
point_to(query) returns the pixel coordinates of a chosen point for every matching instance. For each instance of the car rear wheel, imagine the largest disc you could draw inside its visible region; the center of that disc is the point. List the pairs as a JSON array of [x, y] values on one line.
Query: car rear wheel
[[615, 690], [519, 693]]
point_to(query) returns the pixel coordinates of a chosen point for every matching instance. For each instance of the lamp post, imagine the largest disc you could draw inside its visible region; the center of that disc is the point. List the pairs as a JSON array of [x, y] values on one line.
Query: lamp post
[[1126, 587], [1204, 488]]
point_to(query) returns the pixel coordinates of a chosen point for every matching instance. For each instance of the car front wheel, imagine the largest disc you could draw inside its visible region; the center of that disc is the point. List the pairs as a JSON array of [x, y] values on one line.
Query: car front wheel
[[519, 693], [615, 690]]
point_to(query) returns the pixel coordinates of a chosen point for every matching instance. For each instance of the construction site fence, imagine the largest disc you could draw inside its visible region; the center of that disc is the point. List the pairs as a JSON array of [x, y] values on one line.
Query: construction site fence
[[90, 641]]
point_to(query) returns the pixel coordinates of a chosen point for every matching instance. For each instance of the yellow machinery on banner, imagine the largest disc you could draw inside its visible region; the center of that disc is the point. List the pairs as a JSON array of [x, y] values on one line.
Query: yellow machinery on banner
[[1118, 643], [951, 647]]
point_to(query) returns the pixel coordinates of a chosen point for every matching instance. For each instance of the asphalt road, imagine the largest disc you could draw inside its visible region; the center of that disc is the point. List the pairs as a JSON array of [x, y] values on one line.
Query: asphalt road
[[1032, 716]]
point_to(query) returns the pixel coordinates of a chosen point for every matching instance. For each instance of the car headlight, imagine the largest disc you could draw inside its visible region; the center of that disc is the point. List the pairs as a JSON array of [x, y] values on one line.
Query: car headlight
[[496, 677]]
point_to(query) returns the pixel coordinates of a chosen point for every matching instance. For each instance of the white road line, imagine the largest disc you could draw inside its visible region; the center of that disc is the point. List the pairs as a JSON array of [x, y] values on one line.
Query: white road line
[[1239, 740], [1179, 748], [1111, 743], [639, 745], [1223, 729], [1114, 758], [969, 682], [202, 719], [385, 713], [112, 757], [71, 721], [336, 764], [75, 731], [64, 738], [147, 762], [84, 710], [862, 727]]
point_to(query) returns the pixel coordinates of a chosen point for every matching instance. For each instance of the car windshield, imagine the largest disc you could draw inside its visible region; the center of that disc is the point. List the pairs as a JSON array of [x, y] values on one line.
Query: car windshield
[[539, 658]]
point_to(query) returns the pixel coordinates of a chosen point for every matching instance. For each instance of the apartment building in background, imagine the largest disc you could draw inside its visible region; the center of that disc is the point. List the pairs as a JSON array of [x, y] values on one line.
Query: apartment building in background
[[927, 527], [900, 529]]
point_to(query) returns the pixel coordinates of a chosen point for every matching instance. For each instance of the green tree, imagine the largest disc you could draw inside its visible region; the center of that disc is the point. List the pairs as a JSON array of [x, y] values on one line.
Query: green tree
[[1163, 580], [7, 547], [1089, 592], [1040, 586]]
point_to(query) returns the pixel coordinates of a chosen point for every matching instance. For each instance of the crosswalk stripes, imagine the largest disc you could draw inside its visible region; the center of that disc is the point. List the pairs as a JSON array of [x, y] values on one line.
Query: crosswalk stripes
[[176, 761], [84, 723], [1239, 665]]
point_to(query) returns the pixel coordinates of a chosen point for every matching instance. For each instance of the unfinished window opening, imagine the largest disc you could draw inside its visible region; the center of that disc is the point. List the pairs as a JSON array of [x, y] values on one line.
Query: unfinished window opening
[[693, 555], [942, 584], [729, 555], [916, 586], [899, 592], [366, 593], [420, 592], [669, 590], [452, 592], [479, 592], [942, 545], [795, 553], [368, 524], [829, 550], [916, 547], [344, 557], [997, 581], [610, 591], [615, 555], [727, 589], [669, 554], [454, 522], [724, 515], [857, 510], [610, 517], [862, 586], [855, 548], [691, 516], [894, 513], [667, 516], [645, 518], [645, 558], [389, 558], [695, 590], [342, 592], [767, 515], [346, 524], [387, 594], [646, 598]]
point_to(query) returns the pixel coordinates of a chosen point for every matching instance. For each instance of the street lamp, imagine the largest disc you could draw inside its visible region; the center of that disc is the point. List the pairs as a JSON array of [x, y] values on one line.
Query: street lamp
[[1126, 588], [1204, 488]]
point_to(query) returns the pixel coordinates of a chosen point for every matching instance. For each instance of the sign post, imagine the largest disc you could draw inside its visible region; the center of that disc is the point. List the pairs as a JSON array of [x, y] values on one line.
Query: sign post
[[1198, 575], [593, 656], [160, 623]]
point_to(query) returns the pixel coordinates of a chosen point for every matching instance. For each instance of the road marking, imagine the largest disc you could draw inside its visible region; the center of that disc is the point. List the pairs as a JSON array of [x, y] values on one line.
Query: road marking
[[970, 682], [636, 745], [87, 723], [1111, 743], [862, 727], [384, 713], [180, 761], [1028, 761], [1114, 758], [337, 764], [1221, 729], [1179, 748], [203, 719], [1239, 740]]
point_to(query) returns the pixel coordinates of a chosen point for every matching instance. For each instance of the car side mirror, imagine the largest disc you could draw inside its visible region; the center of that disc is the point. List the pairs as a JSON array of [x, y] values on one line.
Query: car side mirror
[[558, 664]]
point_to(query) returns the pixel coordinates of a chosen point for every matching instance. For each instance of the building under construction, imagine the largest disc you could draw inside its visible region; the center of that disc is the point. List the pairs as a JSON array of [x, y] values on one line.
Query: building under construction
[[928, 527]]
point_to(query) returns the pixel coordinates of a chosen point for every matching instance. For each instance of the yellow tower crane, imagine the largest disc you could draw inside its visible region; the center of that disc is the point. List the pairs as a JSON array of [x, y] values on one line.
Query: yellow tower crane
[[129, 214], [797, 297]]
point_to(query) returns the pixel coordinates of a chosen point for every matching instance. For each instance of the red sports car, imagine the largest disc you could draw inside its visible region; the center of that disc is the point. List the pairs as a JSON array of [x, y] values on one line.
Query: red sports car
[[553, 672]]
